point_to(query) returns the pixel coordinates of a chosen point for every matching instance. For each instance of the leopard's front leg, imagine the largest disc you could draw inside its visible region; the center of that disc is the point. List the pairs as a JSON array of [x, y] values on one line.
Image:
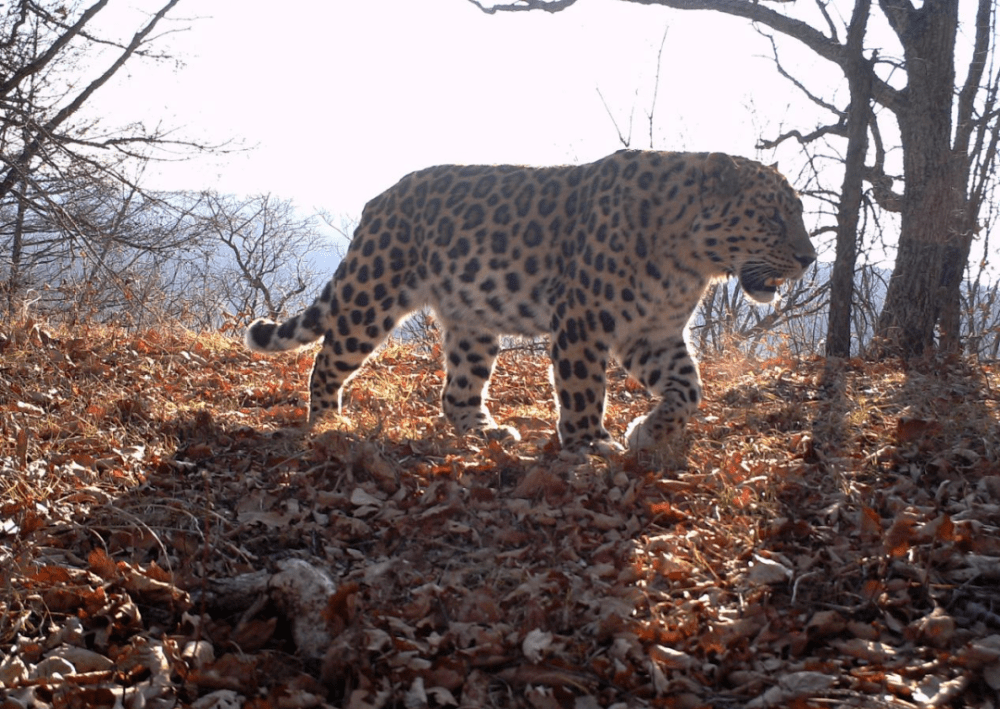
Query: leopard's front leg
[[469, 358], [668, 371], [579, 364]]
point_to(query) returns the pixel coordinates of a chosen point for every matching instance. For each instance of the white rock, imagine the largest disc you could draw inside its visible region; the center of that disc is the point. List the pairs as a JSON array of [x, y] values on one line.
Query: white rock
[[220, 699], [670, 658], [82, 659], [766, 572], [198, 653], [302, 591], [52, 666], [362, 498], [535, 644], [793, 686]]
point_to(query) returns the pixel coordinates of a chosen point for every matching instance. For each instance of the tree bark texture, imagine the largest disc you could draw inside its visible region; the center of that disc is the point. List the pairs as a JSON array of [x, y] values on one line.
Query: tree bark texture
[[931, 233], [838, 338]]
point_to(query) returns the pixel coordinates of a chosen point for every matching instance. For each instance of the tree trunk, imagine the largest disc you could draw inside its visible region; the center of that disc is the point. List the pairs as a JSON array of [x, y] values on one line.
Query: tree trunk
[[13, 286], [932, 220], [938, 212], [838, 336], [956, 258]]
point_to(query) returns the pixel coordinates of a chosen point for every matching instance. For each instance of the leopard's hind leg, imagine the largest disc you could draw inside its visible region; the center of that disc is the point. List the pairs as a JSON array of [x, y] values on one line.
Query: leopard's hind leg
[[469, 359], [356, 325]]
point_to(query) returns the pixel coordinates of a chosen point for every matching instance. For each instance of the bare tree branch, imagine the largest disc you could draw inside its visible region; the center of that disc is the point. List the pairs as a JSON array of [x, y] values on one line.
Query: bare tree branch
[[966, 123], [33, 67], [44, 133], [949, 135], [525, 5], [626, 141], [656, 86], [750, 9], [798, 84], [840, 129], [830, 24], [827, 47], [16, 26], [882, 191]]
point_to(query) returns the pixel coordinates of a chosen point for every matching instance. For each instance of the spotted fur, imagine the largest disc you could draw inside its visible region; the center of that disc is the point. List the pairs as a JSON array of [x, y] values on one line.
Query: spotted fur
[[609, 259]]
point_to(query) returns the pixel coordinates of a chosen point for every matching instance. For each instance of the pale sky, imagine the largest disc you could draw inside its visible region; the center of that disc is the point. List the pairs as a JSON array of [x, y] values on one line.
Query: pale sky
[[340, 99]]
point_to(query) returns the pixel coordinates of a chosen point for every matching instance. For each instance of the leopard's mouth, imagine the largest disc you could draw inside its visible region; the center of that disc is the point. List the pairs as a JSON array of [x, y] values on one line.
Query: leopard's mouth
[[759, 284]]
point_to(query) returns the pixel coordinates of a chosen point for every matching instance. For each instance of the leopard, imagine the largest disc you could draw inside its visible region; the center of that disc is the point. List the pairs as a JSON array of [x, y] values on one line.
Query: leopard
[[609, 259]]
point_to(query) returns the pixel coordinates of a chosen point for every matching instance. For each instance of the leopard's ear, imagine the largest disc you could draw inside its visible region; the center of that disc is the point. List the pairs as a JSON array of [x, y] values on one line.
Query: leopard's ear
[[723, 171]]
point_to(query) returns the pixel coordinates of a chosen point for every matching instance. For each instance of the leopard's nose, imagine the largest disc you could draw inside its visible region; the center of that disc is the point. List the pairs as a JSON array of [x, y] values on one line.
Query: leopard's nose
[[805, 252], [806, 259]]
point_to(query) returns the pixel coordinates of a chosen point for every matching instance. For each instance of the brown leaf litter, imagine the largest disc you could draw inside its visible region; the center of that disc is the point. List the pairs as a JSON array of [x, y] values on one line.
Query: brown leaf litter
[[170, 536]]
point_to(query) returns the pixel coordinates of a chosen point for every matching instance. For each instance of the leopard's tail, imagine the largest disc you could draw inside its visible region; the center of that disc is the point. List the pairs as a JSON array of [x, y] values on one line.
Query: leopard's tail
[[268, 336]]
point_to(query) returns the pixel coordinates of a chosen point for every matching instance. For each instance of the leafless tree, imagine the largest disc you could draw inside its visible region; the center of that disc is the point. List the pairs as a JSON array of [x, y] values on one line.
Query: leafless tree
[[857, 118], [61, 176], [104, 250], [948, 133], [264, 265]]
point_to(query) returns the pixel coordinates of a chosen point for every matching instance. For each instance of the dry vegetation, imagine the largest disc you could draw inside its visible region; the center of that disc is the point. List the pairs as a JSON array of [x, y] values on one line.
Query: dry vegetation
[[169, 538]]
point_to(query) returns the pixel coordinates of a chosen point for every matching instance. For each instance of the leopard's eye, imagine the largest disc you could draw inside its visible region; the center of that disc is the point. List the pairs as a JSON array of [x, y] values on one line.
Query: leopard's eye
[[772, 217]]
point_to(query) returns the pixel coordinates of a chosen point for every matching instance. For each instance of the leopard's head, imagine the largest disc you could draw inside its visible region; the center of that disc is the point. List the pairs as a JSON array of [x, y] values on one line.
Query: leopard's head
[[751, 225]]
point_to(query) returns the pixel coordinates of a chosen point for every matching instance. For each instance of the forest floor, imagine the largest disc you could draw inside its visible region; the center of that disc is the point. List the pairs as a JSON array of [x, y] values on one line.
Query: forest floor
[[172, 536]]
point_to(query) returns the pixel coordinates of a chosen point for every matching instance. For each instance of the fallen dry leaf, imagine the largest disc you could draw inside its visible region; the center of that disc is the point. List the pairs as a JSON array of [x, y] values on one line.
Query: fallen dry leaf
[[171, 536]]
